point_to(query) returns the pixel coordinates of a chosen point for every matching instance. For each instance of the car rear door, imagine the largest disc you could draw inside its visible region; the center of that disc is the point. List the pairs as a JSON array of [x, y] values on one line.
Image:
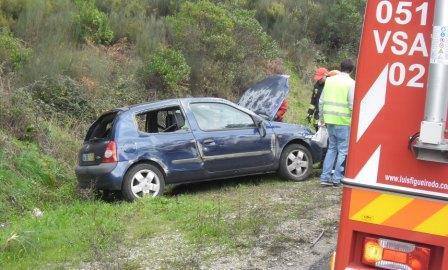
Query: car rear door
[[229, 141]]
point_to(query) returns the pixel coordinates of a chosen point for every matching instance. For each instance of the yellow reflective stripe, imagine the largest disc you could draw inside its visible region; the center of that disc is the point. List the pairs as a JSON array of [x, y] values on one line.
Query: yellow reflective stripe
[[337, 104], [337, 113], [381, 208], [437, 224], [397, 212]]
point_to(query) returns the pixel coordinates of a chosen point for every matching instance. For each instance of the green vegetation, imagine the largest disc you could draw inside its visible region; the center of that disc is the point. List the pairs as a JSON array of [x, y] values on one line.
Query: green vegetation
[[13, 54], [167, 70], [92, 24], [226, 48], [64, 62]]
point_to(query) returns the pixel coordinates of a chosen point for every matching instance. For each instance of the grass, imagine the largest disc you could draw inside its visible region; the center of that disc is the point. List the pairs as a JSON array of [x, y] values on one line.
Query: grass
[[83, 231], [299, 97], [230, 214]]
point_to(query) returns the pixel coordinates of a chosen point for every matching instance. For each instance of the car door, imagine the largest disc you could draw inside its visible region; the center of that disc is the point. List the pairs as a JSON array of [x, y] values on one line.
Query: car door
[[229, 140], [165, 136]]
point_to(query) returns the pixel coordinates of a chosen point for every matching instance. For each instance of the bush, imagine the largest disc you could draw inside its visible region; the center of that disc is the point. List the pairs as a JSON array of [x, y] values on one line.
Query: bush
[[167, 70], [13, 53], [92, 24], [226, 48], [138, 21], [342, 22], [9, 12], [61, 95]]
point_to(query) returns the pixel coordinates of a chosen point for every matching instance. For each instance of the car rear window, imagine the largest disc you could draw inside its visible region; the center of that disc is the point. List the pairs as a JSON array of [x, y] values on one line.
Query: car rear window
[[102, 128]]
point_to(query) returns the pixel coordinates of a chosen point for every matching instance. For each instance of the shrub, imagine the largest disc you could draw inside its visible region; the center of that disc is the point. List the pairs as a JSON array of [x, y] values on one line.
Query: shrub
[[9, 12], [342, 22], [17, 111], [226, 47], [13, 53], [167, 70], [61, 95], [92, 24]]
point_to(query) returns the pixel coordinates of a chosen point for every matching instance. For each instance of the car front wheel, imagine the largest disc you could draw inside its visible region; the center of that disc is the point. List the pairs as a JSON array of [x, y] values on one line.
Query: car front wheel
[[296, 162], [143, 180]]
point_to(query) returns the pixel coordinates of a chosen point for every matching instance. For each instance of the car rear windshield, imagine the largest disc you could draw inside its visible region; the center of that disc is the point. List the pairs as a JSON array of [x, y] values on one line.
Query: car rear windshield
[[102, 128]]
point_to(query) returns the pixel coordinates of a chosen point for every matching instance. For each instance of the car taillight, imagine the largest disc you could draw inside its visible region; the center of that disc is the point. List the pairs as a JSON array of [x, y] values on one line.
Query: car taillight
[[110, 154], [394, 255]]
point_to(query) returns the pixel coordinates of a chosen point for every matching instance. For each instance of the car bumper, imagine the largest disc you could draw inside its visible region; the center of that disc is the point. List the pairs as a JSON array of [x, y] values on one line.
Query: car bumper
[[104, 176], [316, 151]]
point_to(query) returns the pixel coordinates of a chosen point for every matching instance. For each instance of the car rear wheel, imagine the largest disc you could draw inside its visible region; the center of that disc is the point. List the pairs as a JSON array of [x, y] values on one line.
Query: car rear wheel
[[296, 163], [143, 180]]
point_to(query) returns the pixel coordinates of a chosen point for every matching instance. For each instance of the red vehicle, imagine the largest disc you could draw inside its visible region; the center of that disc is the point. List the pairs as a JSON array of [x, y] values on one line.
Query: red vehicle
[[395, 198]]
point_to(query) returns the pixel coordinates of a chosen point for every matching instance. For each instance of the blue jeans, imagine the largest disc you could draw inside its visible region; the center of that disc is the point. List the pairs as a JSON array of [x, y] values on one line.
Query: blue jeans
[[336, 153]]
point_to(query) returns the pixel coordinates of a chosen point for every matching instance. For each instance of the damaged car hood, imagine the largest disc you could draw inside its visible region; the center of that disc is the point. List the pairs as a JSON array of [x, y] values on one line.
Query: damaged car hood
[[265, 97]]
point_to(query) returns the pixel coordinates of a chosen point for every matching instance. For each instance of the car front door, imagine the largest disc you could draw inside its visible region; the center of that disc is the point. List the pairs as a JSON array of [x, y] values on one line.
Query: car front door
[[229, 140]]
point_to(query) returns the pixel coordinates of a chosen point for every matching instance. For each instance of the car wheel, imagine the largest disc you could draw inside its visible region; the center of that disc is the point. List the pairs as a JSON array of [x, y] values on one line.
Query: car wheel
[[143, 180], [296, 162]]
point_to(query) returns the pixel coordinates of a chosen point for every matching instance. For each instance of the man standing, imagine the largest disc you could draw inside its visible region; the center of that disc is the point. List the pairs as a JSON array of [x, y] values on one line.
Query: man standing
[[313, 110], [335, 106]]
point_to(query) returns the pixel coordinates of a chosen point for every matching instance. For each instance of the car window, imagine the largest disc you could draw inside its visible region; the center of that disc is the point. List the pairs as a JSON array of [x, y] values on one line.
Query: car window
[[218, 116], [162, 121]]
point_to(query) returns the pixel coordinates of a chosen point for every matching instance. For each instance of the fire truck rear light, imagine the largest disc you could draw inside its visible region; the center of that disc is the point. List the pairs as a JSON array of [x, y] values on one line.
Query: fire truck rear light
[[394, 255], [396, 245], [373, 252]]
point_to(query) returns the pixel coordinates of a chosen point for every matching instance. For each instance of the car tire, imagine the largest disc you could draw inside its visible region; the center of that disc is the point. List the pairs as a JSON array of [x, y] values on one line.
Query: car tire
[[143, 180], [296, 162]]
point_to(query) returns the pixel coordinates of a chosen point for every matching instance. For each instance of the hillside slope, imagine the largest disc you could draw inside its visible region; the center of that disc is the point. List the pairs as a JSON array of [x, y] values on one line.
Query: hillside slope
[[64, 62]]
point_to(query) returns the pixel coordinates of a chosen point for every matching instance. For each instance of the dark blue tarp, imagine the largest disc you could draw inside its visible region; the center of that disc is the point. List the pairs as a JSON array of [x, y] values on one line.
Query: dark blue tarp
[[265, 97]]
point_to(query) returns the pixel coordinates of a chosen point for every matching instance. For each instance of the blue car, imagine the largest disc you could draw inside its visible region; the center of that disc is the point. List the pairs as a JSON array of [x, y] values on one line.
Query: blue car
[[139, 149]]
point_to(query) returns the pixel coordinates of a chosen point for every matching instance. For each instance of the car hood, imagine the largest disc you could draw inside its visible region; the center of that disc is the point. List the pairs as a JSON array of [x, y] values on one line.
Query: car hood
[[300, 130], [265, 97]]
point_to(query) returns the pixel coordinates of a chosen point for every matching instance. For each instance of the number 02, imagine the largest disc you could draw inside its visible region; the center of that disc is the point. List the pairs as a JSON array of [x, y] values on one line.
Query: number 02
[[397, 75]]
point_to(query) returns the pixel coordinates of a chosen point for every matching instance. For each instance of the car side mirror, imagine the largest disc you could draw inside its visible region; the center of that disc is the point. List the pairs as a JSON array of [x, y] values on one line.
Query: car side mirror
[[261, 126]]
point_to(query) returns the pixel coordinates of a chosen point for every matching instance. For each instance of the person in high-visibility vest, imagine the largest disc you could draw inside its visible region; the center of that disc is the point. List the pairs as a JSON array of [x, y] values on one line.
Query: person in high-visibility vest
[[335, 109], [320, 76]]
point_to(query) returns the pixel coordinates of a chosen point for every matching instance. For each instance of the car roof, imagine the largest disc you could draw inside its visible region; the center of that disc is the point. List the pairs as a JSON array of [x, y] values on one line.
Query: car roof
[[170, 102]]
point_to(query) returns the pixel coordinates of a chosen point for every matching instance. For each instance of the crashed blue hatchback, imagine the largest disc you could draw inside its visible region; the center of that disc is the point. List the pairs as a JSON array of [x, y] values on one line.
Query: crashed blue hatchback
[[139, 149]]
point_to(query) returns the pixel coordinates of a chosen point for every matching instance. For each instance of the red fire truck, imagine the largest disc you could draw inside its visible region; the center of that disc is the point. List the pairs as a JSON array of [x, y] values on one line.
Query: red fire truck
[[395, 198]]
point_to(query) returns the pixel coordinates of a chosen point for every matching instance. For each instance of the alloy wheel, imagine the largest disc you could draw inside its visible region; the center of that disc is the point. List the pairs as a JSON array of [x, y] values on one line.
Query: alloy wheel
[[145, 183], [297, 163]]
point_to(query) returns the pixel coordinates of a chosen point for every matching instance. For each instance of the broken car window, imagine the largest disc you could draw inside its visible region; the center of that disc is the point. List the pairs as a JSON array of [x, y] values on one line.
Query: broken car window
[[161, 121]]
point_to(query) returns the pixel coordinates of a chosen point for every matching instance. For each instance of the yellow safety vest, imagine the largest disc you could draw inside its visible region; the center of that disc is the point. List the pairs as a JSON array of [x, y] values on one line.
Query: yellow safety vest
[[336, 109]]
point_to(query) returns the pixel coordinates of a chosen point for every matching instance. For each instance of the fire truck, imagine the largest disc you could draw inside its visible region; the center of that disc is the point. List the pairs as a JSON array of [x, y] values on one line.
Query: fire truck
[[394, 211]]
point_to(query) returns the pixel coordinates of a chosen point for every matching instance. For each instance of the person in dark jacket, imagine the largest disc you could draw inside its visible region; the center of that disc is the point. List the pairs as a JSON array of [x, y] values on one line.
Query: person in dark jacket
[[313, 110]]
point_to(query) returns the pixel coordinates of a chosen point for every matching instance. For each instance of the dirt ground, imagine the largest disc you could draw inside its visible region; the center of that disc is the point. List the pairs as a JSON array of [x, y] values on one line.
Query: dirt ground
[[304, 238]]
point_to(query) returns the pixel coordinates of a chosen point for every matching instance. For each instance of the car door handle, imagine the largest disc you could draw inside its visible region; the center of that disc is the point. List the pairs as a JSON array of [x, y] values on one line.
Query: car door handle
[[208, 141]]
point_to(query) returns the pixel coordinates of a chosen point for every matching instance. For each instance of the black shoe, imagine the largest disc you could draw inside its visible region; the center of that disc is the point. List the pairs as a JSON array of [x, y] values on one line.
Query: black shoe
[[325, 183]]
